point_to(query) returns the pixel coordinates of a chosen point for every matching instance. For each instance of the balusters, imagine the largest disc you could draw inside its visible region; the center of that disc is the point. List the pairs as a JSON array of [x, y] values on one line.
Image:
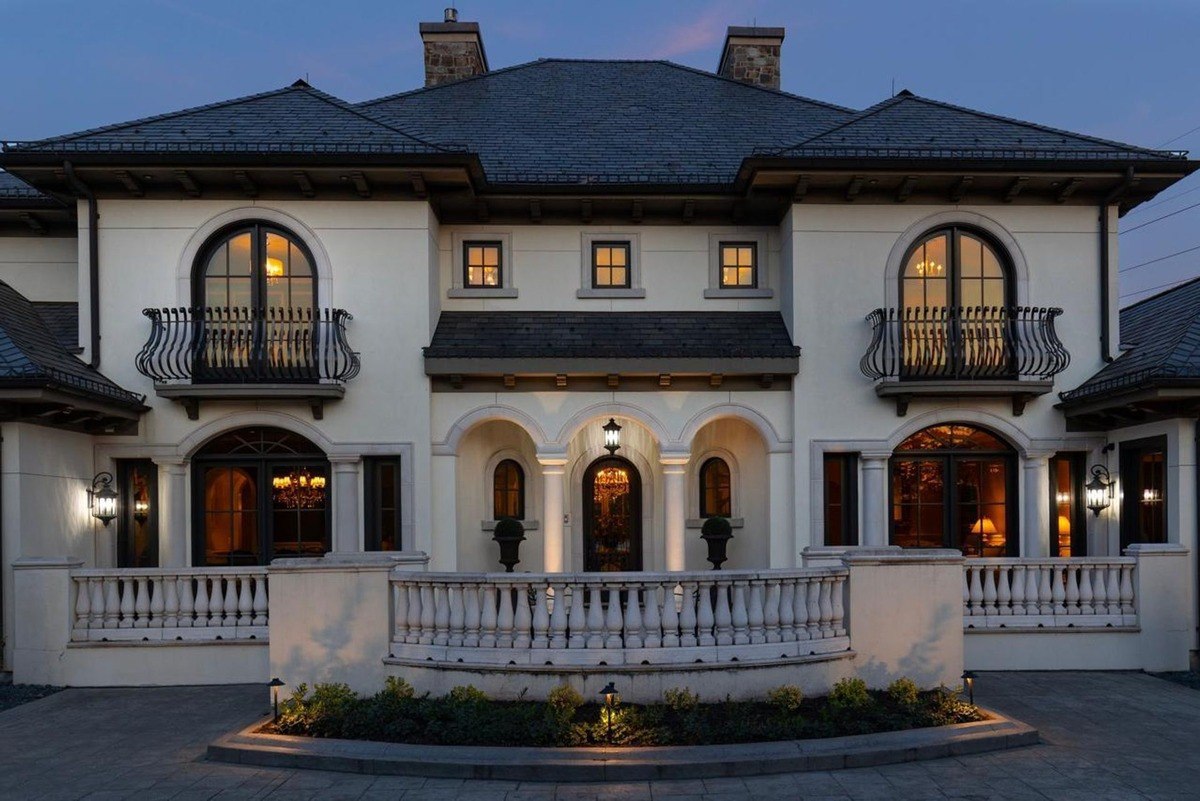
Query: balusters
[[523, 619], [489, 618], [976, 590], [826, 607], [541, 618], [141, 603], [787, 614], [612, 620], [989, 591], [595, 619], [1112, 589], [693, 629], [723, 620], [505, 619], [756, 613], [1033, 576], [1127, 607], [633, 618], [651, 622], [800, 609], [838, 622], [671, 623], [127, 605], [230, 602], [245, 602], [1071, 591], [577, 621], [472, 616], [187, 602], [458, 615], [1003, 590], [425, 627], [399, 612], [1017, 597], [83, 610]]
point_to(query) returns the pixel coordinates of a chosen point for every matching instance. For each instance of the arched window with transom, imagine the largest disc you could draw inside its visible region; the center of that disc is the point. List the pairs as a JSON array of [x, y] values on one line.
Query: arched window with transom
[[716, 488], [255, 265], [508, 490], [956, 267], [955, 486]]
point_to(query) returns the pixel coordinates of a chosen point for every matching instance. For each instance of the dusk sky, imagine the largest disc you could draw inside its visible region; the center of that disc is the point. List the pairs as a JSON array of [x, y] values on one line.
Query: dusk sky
[[1121, 70]]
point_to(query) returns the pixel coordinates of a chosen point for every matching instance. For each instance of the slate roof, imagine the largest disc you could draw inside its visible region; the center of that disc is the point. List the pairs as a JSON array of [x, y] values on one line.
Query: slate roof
[[13, 188], [569, 121], [1163, 337], [611, 335], [297, 118], [909, 126], [31, 355], [63, 321]]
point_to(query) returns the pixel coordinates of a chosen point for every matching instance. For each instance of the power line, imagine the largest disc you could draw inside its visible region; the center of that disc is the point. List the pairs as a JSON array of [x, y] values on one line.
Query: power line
[[1160, 258], [1177, 138], [1156, 219], [1160, 286], [1160, 202]]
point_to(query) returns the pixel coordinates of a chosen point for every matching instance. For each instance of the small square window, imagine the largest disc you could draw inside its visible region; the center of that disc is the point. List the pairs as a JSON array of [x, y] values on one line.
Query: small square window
[[739, 265], [610, 265], [482, 264]]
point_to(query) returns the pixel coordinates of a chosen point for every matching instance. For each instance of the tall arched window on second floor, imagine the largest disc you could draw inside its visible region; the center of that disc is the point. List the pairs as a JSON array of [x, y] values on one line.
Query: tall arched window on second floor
[[508, 491], [955, 267], [716, 489], [255, 265]]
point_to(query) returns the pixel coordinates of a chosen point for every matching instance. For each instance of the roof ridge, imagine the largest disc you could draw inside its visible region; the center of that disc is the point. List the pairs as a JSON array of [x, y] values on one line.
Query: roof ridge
[[736, 82], [423, 89], [371, 117], [858, 117]]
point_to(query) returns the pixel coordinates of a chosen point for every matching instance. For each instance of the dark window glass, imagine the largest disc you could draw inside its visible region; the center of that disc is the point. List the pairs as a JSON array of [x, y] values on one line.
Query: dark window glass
[[1068, 519], [739, 265], [508, 491], [610, 265], [483, 264], [841, 499], [137, 538], [1144, 485], [382, 475], [716, 490], [954, 486]]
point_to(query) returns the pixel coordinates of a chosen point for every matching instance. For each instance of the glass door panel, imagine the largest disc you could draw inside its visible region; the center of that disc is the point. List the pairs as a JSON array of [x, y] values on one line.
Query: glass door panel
[[231, 516], [299, 506]]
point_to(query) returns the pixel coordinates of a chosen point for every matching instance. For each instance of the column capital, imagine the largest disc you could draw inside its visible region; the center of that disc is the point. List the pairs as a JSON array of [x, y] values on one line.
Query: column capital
[[169, 462], [1037, 458], [345, 462], [552, 462], [873, 459], [674, 458]]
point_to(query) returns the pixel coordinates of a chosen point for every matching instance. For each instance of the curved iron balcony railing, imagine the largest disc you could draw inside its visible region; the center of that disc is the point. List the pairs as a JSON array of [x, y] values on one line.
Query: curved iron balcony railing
[[977, 343], [247, 346]]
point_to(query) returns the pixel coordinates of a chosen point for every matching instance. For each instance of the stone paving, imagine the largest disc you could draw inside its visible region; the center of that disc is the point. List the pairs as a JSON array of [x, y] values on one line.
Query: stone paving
[[1106, 736]]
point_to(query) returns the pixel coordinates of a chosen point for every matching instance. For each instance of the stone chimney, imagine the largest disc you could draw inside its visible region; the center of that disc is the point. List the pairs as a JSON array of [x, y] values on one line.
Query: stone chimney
[[751, 55], [453, 50]]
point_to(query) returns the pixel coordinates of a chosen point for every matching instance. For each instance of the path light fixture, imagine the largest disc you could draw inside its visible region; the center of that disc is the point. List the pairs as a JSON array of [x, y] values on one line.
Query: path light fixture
[[102, 498], [612, 436], [275, 684], [1099, 489], [611, 698], [716, 533], [509, 534], [968, 679]]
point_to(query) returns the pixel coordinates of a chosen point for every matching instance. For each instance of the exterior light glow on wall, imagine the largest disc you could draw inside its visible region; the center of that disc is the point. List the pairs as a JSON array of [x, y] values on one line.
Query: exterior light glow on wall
[[1099, 489], [612, 436], [102, 498]]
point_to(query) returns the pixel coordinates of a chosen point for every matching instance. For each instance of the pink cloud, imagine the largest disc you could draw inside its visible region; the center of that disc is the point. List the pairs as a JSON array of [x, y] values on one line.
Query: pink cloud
[[703, 32]]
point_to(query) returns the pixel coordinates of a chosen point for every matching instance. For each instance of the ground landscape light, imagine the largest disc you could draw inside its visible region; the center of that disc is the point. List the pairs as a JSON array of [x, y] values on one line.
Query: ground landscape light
[[610, 701], [968, 679], [275, 684]]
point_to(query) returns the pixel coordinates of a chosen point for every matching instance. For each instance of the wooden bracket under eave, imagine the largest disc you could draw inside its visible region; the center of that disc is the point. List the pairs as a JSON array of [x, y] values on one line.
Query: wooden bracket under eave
[[1019, 402], [902, 404]]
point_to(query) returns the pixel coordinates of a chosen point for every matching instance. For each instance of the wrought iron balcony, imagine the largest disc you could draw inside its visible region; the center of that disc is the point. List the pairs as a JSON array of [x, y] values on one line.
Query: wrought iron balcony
[[1004, 350], [218, 352]]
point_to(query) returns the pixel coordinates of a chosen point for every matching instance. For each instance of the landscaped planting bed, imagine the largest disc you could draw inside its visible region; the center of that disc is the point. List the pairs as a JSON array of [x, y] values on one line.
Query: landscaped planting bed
[[466, 716]]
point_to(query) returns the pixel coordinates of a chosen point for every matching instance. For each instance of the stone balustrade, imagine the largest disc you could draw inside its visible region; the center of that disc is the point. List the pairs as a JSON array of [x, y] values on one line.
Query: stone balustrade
[[152, 604], [618, 618], [1078, 592]]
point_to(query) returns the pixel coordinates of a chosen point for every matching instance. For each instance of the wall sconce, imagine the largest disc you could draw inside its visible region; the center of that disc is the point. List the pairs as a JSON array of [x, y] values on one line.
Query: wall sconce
[[612, 436], [141, 510], [1099, 489], [102, 498]]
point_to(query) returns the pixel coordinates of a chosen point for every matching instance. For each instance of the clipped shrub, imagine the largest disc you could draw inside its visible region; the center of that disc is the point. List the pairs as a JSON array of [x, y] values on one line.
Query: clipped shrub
[[786, 699], [716, 527], [509, 528], [564, 698], [904, 693], [680, 699], [467, 694], [395, 687]]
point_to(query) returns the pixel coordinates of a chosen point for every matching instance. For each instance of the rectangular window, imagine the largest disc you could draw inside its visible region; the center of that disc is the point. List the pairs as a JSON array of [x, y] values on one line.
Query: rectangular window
[[739, 265], [382, 503], [1144, 491], [1068, 519], [841, 499], [137, 535], [482, 264], [610, 265]]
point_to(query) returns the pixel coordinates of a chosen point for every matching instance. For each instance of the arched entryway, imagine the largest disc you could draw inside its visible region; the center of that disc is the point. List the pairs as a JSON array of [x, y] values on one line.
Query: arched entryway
[[258, 494], [612, 512]]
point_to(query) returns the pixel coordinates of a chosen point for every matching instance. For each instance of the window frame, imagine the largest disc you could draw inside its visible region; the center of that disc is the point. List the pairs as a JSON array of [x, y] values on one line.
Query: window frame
[[616, 244], [1131, 452], [848, 517], [522, 488], [372, 497], [126, 521], [1077, 461], [587, 276], [754, 262], [702, 475], [717, 290], [258, 229], [954, 232], [458, 265], [498, 244]]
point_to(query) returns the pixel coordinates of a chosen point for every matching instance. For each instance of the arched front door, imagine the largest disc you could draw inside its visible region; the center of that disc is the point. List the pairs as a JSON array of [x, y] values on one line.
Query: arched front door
[[612, 516]]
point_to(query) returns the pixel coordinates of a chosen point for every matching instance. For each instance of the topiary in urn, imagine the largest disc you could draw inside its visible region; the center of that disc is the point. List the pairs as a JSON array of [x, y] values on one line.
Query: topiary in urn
[[509, 533], [716, 532]]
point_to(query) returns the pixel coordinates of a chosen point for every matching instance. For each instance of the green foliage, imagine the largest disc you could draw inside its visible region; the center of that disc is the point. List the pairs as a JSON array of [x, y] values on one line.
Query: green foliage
[[786, 699], [565, 698], [718, 527], [396, 687], [681, 700], [904, 693], [467, 695], [508, 528]]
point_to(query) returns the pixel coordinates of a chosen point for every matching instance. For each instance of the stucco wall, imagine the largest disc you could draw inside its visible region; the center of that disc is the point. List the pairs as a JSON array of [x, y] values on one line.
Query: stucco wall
[[41, 267]]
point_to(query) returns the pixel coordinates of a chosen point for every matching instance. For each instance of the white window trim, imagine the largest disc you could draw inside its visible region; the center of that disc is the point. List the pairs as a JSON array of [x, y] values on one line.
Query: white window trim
[[762, 290], [634, 290], [507, 288]]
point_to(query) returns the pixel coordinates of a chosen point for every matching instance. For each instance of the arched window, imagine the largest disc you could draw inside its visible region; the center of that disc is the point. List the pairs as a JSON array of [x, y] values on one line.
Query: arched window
[[716, 493], [954, 486], [258, 494], [508, 491], [255, 265], [955, 267]]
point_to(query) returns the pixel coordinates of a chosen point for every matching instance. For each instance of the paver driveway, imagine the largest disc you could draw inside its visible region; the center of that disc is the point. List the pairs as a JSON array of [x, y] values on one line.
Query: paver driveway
[[1107, 736]]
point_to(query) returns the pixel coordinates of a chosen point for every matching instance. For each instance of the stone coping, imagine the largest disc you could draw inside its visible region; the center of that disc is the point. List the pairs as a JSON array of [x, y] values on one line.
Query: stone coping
[[592, 764]]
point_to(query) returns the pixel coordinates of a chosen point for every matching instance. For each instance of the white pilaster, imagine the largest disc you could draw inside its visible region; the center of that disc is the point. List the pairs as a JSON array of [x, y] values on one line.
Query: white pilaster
[[1035, 502], [172, 512], [347, 533], [553, 477], [441, 541], [874, 499], [674, 466], [784, 547]]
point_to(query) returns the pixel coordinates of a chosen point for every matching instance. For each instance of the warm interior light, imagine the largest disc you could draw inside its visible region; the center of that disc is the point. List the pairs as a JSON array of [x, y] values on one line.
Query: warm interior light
[[299, 489], [1150, 495], [1062, 498], [985, 526], [929, 267], [141, 509], [274, 267]]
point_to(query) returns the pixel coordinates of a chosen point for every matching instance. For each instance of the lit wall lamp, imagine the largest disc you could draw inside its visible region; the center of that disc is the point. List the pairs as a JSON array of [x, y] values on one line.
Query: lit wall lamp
[[141, 510], [612, 436], [1099, 489], [102, 498]]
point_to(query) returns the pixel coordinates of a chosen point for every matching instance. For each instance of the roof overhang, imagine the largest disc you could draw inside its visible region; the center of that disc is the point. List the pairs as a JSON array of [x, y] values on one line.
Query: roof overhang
[[45, 403], [1161, 400]]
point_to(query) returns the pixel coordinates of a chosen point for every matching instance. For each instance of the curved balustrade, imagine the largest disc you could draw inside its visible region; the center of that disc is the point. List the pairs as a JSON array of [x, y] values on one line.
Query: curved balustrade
[[1079, 592], [212, 603], [964, 343], [240, 345], [618, 618]]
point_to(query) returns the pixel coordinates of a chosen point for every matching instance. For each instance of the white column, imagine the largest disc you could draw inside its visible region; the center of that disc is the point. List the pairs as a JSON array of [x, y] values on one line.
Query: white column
[[1035, 501], [172, 513], [441, 542], [784, 546], [674, 466], [874, 499], [553, 472], [347, 533]]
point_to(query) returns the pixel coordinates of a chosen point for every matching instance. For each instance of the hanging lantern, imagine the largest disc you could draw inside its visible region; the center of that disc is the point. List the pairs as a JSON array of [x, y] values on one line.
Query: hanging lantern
[[612, 436], [1099, 489], [102, 498]]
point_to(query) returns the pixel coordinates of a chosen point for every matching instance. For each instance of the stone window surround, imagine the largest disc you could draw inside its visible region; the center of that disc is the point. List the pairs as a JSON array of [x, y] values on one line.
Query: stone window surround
[[735, 484], [762, 274], [532, 502], [634, 290], [507, 288]]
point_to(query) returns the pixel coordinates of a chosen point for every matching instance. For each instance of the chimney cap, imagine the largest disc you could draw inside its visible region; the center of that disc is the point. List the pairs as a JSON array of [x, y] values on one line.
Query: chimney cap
[[451, 14], [755, 32]]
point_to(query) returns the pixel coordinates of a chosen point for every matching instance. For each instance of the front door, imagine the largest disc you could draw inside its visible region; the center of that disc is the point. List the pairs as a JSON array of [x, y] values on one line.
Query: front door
[[612, 506]]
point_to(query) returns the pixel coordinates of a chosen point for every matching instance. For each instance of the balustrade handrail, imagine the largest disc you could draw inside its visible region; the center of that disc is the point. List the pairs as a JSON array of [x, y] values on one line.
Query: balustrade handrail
[[1070, 592], [133, 572], [244, 345], [964, 343], [623, 578]]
